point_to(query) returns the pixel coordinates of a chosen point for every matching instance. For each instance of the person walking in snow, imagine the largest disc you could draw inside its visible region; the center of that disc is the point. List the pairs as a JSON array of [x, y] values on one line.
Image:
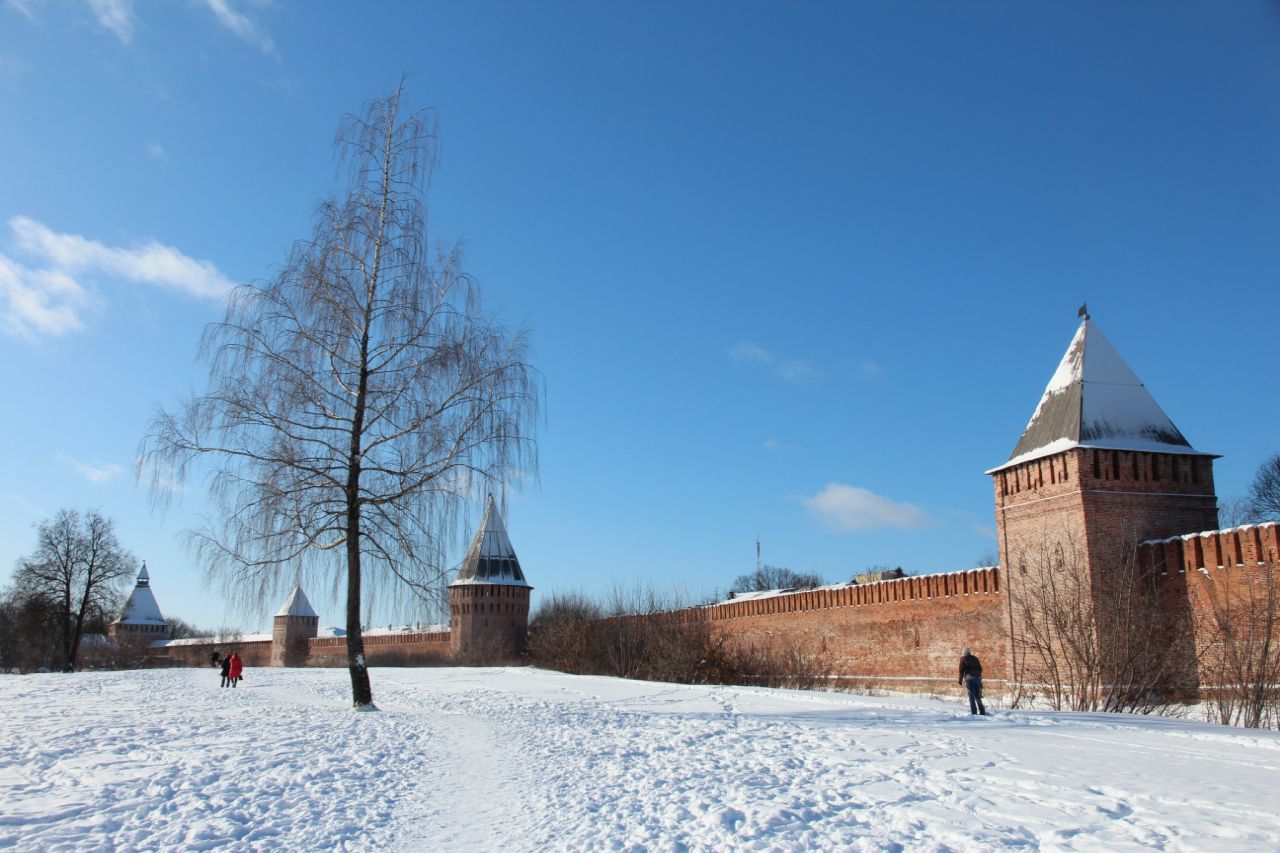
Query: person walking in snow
[[235, 668], [213, 658], [971, 678], [226, 671]]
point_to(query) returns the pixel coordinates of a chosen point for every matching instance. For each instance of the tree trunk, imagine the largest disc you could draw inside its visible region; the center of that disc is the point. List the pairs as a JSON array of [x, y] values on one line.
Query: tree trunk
[[68, 650], [361, 689]]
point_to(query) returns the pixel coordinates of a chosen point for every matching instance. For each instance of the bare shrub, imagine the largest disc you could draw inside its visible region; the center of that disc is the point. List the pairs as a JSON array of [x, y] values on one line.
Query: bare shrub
[[781, 662], [1090, 631], [1238, 609], [644, 634], [636, 633], [560, 633]]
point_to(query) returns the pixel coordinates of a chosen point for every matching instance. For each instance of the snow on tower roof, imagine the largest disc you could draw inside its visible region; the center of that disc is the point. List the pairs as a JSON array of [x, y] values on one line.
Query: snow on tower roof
[[1095, 400], [296, 604], [141, 608], [491, 559]]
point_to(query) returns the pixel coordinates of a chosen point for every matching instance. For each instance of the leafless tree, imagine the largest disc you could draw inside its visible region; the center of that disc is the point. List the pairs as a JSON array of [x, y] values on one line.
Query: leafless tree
[[1235, 511], [1264, 492], [79, 565], [181, 629], [769, 577], [357, 401], [30, 632]]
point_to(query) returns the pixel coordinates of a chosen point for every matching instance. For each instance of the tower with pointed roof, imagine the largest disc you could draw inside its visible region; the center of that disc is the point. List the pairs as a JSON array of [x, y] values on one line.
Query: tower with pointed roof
[[1100, 466], [489, 600], [294, 624], [141, 617]]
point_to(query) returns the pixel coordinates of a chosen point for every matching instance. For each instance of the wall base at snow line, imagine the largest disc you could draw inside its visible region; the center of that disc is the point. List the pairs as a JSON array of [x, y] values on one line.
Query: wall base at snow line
[[252, 652], [427, 649]]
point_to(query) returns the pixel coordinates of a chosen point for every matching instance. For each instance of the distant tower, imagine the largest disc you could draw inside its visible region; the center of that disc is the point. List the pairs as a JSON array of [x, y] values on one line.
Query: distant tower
[[1099, 467], [489, 601], [141, 616], [294, 624]]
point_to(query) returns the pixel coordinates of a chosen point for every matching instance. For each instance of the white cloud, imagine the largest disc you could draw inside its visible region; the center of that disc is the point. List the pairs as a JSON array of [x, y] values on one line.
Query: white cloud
[[116, 16], [24, 7], [794, 370], [21, 503], [790, 369], [749, 353], [39, 302], [152, 263], [156, 151], [869, 369], [241, 25], [99, 473], [49, 300], [844, 508]]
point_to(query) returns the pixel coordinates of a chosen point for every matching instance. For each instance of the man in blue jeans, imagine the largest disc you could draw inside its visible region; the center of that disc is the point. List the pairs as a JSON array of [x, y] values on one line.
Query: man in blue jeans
[[971, 678]]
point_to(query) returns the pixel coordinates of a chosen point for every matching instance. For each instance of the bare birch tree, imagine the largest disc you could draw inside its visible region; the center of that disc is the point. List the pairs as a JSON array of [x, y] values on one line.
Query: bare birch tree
[[78, 565], [357, 400]]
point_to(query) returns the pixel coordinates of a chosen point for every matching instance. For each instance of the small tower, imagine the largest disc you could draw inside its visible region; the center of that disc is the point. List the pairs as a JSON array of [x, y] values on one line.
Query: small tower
[[141, 618], [489, 600], [294, 624], [1100, 466]]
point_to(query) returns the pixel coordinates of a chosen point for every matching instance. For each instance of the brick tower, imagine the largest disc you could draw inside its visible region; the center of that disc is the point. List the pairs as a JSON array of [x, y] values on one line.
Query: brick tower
[[1100, 467], [489, 600], [294, 624]]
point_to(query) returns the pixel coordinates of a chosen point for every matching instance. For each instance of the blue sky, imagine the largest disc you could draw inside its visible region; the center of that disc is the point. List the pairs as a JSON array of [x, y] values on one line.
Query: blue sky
[[801, 270]]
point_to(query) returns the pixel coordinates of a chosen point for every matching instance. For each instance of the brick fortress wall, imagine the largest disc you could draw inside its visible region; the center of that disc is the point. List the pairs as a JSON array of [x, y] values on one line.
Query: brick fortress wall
[[421, 649], [904, 634], [1220, 577], [425, 649]]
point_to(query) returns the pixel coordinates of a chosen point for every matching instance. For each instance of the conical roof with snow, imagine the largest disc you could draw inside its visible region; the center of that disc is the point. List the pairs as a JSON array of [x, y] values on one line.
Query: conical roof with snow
[[1095, 400], [296, 604], [491, 559], [141, 608]]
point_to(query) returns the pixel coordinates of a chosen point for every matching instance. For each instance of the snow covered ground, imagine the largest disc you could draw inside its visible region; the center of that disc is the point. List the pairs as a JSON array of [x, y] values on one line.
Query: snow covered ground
[[524, 759]]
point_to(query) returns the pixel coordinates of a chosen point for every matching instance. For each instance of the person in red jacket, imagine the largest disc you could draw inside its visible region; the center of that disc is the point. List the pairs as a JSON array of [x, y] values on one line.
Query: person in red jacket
[[234, 670]]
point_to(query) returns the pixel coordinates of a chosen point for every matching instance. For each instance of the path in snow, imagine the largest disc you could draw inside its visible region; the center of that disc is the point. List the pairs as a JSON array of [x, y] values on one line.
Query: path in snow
[[521, 759]]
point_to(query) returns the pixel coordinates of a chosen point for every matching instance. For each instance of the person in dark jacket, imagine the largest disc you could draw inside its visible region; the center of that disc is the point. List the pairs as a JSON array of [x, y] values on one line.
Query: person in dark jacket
[[226, 670], [235, 668], [971, 678]]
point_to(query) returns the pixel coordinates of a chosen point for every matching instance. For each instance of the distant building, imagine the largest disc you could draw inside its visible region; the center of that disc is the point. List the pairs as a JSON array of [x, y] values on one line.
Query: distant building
[[489, 609], [879, 575], [141, 617]]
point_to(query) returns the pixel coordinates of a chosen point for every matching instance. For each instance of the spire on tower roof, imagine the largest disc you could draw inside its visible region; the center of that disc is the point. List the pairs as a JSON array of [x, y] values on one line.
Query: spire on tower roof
[[296, 604], [491, 559], [1095, 400], [141, 608]]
